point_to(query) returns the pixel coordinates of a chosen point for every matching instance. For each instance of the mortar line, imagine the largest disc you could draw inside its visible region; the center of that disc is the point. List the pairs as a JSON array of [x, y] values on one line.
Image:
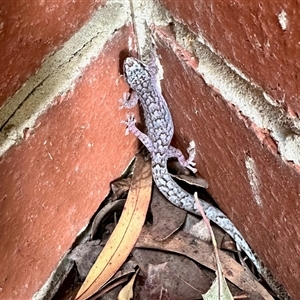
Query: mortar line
[[59, 72]]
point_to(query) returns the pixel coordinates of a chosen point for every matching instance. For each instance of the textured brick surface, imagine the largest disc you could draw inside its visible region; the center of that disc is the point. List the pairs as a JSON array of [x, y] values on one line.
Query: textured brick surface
[[254, 187], [53, 182], [249, 35], [31, 30]]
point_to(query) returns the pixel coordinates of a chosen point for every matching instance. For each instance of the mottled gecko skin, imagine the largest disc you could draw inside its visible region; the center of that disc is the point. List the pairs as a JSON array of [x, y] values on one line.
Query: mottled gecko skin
[[160, 131]]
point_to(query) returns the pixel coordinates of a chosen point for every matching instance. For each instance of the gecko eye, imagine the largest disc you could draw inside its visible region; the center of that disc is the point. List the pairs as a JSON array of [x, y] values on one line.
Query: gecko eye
[[129, 62], [133, 64]]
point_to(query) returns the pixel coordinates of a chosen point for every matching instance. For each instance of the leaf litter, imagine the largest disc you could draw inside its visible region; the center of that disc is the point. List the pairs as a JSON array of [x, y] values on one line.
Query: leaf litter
[[140, 246]]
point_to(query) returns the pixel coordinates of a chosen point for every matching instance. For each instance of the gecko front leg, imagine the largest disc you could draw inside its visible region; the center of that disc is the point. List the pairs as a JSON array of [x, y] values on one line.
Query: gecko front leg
[[129, 100], [140, 135]]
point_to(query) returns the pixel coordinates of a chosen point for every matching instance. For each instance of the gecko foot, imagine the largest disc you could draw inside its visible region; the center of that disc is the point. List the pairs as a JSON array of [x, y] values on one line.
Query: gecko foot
[[123, 100], [130, 123], [192, 153], [129, 100], [188, 163]]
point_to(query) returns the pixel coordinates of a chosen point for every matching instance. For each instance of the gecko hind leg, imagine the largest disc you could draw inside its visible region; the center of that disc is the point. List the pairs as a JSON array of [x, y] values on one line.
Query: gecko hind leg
[[188, 163]]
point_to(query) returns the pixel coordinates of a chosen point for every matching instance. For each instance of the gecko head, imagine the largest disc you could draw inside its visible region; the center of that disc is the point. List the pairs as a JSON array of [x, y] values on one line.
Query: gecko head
[[135, 72]]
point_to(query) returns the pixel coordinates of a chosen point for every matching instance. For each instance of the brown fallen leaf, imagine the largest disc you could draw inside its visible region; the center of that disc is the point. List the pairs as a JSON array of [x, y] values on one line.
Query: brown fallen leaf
[[183, 174], [127, 291], [119, 187], [201, 252], [107, 210], [154, 287], [126, 232], [84, 256], [199, 230], [180, 276], [167, 218], [121, 277], [192, 180]]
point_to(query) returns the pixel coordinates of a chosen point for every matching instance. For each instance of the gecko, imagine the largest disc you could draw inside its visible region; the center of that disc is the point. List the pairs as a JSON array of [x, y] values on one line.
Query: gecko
[[160, 129]]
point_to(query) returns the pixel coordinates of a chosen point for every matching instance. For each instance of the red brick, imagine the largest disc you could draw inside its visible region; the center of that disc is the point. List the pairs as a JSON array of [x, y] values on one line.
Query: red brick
[[30, 31], [266, 214], [248, 34], [52, 183]]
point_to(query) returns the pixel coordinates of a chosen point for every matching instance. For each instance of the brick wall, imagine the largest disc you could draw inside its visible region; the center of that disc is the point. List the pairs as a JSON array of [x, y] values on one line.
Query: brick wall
[[32, 31], [230, 79]]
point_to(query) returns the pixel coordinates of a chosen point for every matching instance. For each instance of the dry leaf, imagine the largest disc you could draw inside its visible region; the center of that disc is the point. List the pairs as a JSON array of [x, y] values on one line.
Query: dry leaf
[[124, 273], [181, 276], [201, 252], [120, 187], [183, 174], [84, 256], [192, 180], [200, 231], [218, 290], [125, 234], [167, 218], [127, 291], [154, 287], [114, 206]]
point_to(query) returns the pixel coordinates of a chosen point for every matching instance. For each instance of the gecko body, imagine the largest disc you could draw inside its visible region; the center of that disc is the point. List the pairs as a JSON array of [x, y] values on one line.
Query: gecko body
[[160, 130]]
